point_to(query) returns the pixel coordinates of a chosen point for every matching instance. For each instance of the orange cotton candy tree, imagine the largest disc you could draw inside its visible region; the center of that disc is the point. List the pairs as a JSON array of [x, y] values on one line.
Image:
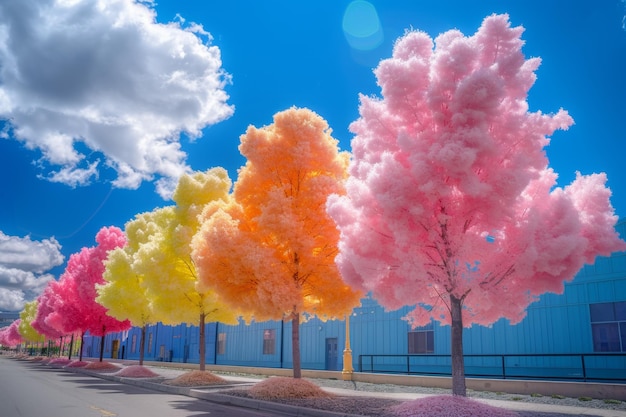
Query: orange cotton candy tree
[[270, 250]]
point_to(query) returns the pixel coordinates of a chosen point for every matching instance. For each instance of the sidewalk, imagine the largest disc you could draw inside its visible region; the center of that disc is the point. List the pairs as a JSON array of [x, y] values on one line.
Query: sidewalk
[[528, 409]]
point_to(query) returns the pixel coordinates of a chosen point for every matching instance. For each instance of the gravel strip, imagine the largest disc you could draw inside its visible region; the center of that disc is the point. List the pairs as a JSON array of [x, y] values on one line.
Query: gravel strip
[[538, 399], [379, 407]]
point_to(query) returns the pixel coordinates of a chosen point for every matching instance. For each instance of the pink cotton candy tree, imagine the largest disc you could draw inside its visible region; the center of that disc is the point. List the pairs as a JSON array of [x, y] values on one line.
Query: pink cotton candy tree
[[68, 313], [10, 335], [84, 271], [98, 322], [451, 206], [46, 307]]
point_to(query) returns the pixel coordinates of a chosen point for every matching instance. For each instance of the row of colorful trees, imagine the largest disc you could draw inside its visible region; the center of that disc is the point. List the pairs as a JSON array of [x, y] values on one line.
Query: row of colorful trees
[[446, 203]]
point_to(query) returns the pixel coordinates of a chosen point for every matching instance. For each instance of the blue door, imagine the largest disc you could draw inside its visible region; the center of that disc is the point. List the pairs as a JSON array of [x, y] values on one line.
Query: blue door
[[331, 354]]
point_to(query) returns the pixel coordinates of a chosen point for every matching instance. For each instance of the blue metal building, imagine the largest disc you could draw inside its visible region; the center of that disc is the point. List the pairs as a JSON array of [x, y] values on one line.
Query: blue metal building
[[580, 334]]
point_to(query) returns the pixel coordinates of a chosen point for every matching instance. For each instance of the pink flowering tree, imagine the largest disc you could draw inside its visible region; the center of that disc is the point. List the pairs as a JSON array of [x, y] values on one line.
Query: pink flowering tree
[[85, 271], [46, 307], [451, 206], [69, 314], [10, 335]]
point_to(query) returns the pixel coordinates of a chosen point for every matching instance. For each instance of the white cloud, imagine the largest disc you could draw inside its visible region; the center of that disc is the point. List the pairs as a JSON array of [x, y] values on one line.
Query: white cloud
[[28, 255], [22, 266], [11, 300], [104, 73], [74, 176]]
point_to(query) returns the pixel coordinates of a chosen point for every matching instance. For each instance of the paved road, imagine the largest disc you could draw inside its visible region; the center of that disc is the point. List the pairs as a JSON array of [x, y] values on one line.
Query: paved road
[[30, 389]]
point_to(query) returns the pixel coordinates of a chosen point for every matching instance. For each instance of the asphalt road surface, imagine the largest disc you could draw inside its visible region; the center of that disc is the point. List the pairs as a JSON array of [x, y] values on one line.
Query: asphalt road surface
[[30, 389]]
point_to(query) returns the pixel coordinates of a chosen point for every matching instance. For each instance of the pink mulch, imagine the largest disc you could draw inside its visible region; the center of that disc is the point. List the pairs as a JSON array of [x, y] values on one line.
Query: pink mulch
[[20, 356], [103, 366], [195, 379], [76, 364], [449, 406], [59, 361], [284, 387], [136, 371]]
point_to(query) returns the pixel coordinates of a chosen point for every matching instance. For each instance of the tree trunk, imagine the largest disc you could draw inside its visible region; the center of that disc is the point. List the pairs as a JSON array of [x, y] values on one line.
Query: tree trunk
[[82, 339], [102, 343], [458, 365], [69, 356], [295, 344], [202, 342], [142, 344]]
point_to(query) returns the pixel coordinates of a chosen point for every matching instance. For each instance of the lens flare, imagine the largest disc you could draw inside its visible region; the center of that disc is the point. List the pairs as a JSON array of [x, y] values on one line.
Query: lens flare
[[361, 26]]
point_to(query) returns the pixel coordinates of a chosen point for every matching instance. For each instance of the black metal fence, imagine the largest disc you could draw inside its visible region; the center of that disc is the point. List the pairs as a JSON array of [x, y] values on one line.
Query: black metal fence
[[554, 366]]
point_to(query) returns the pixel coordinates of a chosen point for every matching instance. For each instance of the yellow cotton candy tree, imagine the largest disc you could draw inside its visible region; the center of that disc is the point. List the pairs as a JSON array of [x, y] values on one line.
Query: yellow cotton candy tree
[[271, 249], [164, 259], [25, 329], [124, 293]]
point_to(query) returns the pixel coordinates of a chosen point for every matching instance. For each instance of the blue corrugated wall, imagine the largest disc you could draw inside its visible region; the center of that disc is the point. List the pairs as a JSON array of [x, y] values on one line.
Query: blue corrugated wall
[[554, 324]]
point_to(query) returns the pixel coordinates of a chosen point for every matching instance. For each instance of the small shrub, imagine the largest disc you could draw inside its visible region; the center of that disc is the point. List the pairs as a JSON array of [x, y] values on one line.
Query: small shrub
[[536, 395], [557, 396], [517, 398], [609, 401], [585, 398]]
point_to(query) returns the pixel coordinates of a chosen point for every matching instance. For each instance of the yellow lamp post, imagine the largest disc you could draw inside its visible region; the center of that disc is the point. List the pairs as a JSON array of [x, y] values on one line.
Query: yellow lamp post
[[346, 373]]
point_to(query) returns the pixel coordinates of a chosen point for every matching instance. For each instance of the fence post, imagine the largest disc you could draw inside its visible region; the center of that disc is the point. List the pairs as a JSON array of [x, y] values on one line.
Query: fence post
[[582, 362], [503, 368]]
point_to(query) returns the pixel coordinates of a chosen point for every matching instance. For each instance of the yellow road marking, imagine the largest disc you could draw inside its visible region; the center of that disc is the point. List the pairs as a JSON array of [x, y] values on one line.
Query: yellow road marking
[[103, 412]]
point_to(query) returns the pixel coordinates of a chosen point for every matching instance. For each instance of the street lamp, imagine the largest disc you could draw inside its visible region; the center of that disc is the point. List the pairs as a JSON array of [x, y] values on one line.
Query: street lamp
[[346, 373]]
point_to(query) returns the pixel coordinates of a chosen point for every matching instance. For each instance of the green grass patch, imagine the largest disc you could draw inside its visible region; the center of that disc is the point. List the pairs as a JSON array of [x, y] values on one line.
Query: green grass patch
[[585, 398], [609, 401]]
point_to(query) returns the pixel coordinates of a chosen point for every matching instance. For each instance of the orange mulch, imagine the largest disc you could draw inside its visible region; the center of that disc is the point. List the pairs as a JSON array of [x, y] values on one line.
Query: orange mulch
[[284, 387], [136, 371], [195, 379]]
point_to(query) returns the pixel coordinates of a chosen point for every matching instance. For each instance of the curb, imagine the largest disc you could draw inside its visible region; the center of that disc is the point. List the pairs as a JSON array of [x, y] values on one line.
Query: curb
[[260, 405], [203, 393]]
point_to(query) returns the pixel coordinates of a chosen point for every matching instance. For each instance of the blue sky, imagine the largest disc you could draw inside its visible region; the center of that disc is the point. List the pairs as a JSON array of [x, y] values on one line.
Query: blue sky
[[104, 103]]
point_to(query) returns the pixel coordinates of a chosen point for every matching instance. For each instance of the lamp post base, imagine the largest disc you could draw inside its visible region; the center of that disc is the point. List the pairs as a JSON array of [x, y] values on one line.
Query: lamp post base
[[346, 373]]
